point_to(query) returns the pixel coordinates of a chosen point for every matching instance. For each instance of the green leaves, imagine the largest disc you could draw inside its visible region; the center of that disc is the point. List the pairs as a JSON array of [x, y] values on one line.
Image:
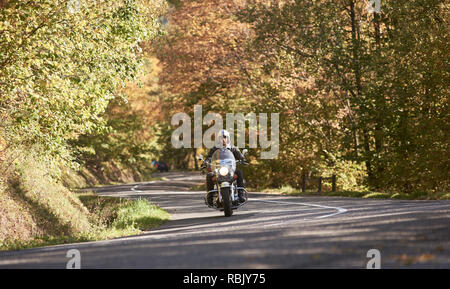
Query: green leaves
[[375, 92], [59, 70]]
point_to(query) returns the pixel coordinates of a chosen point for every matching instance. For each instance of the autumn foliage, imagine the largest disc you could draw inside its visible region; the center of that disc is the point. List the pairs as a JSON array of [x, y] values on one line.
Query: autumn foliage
[[361, 94]]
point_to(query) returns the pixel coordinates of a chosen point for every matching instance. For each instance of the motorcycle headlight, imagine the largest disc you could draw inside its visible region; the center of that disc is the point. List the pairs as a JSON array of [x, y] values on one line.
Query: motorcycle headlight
[[223, 171]]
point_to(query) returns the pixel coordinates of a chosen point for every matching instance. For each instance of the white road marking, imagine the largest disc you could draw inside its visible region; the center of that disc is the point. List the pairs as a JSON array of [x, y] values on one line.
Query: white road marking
[[339, 209], [169, 232], [134, 189]]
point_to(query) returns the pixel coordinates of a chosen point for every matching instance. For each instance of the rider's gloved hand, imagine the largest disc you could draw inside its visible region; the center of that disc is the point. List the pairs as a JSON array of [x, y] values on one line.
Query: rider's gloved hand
[[204, 164]]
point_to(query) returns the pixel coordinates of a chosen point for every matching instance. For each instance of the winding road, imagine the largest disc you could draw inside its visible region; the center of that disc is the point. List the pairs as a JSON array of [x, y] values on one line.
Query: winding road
[[269, 232]]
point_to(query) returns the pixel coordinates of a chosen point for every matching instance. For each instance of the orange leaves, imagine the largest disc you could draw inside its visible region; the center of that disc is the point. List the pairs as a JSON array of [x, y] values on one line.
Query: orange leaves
[[202, 46]]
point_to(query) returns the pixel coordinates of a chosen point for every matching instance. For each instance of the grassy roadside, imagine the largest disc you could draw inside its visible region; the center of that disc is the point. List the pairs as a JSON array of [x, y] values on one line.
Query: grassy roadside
[[110, 217], [116, 217], [290, 191], [39, 208], [199, 187], [112, 183]]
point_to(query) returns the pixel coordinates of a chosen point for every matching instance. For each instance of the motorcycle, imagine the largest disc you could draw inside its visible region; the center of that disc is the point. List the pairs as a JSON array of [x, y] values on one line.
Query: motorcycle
[[225, 195]]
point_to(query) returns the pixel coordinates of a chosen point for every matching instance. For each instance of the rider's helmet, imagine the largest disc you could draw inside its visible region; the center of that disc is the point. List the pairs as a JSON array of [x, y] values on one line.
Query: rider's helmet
[[223, 135]]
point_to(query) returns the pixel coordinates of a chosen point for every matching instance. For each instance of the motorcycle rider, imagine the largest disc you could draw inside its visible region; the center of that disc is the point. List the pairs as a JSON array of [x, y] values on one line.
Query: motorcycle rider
[[223, 141]]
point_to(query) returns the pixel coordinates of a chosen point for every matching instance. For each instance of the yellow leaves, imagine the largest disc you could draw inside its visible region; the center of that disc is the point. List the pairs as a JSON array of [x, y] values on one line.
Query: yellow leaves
[[68, 66], [204, 48]]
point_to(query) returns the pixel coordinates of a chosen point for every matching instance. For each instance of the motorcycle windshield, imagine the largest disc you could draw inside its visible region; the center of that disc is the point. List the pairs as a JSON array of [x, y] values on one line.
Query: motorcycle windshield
[[223, 158]]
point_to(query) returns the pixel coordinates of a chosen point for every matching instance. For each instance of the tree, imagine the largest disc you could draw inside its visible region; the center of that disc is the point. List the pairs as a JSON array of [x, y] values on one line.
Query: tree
[[60, 67], [366, 67], [354, 89]]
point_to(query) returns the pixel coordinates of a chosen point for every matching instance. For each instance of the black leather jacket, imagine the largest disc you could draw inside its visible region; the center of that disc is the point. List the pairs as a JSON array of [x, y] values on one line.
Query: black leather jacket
[[235, 150]]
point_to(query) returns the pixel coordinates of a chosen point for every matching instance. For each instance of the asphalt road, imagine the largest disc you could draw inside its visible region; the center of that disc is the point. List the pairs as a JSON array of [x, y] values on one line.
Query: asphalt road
[[269, 232]]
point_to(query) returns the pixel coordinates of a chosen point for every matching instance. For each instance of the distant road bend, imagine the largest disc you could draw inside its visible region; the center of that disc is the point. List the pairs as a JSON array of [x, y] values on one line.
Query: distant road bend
[[271, 231]]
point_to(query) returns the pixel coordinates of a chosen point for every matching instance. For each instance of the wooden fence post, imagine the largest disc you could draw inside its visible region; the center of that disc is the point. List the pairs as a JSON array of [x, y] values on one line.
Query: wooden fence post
[[333, 183], [320, 185], [304, 182]]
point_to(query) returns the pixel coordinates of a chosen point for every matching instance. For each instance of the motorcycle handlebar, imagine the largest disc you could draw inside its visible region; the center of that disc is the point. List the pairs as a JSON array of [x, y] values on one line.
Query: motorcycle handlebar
[[206, 162]]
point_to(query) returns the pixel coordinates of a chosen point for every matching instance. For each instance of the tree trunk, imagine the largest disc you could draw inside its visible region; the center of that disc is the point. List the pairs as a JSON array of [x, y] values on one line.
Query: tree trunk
[[381, 104], [357, 75], [195, 159]]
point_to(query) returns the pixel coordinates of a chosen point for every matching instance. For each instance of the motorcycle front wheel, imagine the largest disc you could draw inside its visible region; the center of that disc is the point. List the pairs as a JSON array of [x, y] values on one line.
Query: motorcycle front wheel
[[227, 202]]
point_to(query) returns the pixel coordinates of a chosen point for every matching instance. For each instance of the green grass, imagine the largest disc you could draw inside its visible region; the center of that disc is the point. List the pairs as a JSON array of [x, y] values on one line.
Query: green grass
[[199, 187], [110, 218], [139, 215], [289, 190], [377, 196], [117, 217], [111, 183]]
